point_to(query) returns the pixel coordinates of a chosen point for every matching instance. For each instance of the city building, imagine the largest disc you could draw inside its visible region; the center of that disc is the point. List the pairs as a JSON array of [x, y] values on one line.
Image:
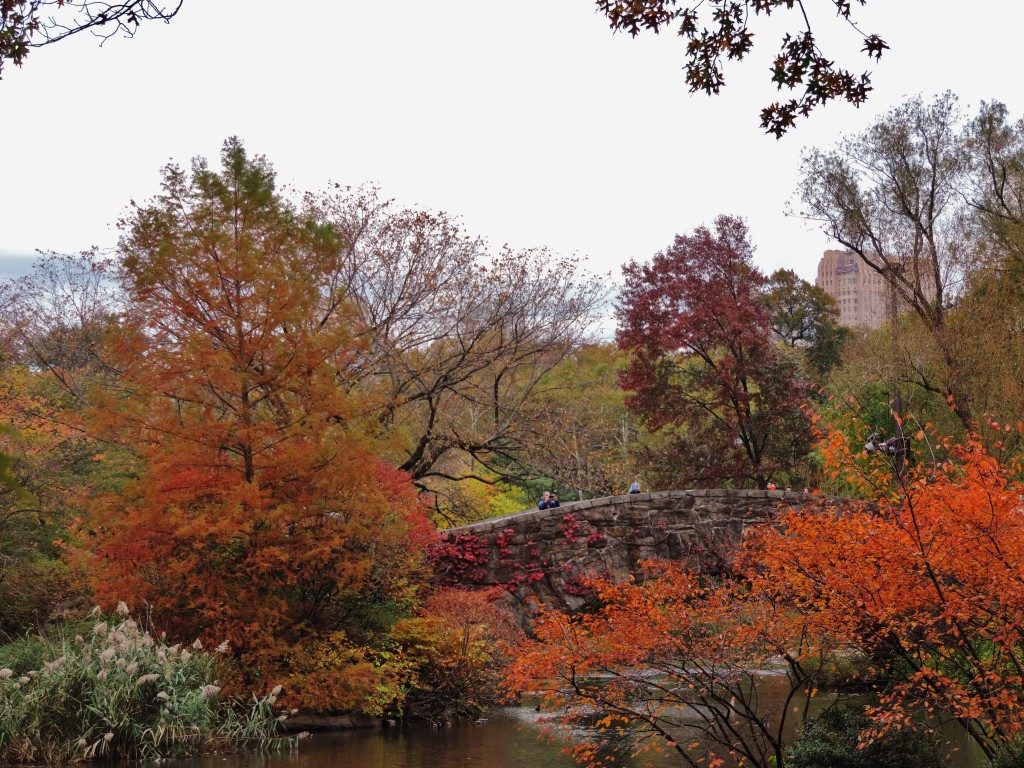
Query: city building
[[859, 291]]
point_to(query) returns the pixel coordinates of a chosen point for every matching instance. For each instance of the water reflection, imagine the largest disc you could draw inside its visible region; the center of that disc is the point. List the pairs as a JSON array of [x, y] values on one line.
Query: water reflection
[[509, 739]]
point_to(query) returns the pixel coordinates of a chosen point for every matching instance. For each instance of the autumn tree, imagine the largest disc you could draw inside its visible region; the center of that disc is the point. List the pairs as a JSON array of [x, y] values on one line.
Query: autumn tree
[[34, 507], [703, 368], [29, 24], [263, 516], [456, 341], [805, 316], [457, 647], [586, 435], [670, 666], [721, 30], [51, 323], [923, 585], [55, 318], [893, 196], [927, 584]]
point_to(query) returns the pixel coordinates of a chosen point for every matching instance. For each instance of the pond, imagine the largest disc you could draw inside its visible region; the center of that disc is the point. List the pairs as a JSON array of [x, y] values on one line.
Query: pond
[[509, 738]]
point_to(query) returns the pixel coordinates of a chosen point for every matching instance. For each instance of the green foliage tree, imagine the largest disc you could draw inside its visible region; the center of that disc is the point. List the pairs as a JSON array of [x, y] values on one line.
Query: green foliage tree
[[805, 316], [585, 434]]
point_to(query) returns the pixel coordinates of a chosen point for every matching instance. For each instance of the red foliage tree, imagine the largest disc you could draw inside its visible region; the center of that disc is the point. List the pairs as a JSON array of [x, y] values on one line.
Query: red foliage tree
[[703, 368]]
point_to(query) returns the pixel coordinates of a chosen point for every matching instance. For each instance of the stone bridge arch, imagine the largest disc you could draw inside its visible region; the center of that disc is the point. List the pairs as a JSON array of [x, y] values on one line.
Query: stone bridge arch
[[540, 555]]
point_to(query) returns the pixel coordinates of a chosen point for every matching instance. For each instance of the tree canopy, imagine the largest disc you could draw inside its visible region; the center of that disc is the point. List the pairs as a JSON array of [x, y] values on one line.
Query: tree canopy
[[805, 316], [262, 515], [703, 366]]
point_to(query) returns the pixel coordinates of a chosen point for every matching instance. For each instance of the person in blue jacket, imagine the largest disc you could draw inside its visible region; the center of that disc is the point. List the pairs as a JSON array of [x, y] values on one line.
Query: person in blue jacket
[[549, 500]]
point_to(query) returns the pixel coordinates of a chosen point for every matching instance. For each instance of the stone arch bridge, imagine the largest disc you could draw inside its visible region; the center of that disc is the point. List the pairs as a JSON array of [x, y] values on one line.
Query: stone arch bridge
[[539, 556]]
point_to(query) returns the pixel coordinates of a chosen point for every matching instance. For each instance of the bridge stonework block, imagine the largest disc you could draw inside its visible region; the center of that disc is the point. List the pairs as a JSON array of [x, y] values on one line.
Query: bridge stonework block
[[539, 556]]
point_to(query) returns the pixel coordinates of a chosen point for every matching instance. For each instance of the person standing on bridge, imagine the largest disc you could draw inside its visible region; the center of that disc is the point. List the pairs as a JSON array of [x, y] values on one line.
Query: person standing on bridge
[[549, 500]]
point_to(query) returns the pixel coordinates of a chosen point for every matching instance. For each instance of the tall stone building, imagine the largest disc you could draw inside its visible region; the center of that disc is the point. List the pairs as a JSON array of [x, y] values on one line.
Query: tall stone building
[[859, 291]]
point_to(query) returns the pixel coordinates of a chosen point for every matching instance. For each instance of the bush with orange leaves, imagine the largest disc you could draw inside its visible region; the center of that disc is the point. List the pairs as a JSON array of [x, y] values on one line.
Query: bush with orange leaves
[[441, 665], [456, 649], [927, 582]]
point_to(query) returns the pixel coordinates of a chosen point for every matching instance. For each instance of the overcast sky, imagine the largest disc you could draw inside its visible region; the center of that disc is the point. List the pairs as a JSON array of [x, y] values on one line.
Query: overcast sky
[[528, 119]]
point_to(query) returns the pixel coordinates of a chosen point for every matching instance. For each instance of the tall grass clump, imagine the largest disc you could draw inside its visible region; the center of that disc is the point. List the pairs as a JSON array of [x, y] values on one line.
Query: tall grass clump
[[115, 691]]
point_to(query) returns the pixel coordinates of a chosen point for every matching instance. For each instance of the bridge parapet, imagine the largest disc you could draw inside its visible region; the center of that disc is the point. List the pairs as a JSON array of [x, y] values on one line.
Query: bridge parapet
[[540, 556]]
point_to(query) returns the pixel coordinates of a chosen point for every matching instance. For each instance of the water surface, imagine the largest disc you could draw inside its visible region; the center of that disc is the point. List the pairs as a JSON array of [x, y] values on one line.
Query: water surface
[[509, 739]]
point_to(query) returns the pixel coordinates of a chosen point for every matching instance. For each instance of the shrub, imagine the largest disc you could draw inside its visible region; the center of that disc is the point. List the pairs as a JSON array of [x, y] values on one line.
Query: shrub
[[1010, 756], [831, 741], [332, 674], [457, 652], [30, 592], [118, 692]]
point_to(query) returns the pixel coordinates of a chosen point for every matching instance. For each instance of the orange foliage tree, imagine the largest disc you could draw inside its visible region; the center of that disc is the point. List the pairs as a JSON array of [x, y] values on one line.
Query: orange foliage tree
[[925, 583], [264, 516], [671, 665], [929, 584]]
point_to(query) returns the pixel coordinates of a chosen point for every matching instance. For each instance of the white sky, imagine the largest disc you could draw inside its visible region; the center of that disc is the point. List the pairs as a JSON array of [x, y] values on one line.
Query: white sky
[[528, 119]]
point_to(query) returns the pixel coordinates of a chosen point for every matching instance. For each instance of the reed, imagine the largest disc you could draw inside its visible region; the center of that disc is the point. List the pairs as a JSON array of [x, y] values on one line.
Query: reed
[[116, 691]]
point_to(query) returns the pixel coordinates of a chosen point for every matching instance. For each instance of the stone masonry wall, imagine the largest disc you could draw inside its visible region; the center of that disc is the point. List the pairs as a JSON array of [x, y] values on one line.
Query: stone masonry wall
[[540, 555]]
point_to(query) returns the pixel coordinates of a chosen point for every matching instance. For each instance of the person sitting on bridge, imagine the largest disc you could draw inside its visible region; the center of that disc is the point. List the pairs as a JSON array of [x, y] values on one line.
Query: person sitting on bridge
[[545, 500], [635, 487]]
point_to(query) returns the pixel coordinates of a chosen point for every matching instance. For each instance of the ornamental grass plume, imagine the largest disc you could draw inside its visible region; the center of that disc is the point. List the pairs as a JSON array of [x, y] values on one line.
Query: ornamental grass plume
[[121, 694]]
